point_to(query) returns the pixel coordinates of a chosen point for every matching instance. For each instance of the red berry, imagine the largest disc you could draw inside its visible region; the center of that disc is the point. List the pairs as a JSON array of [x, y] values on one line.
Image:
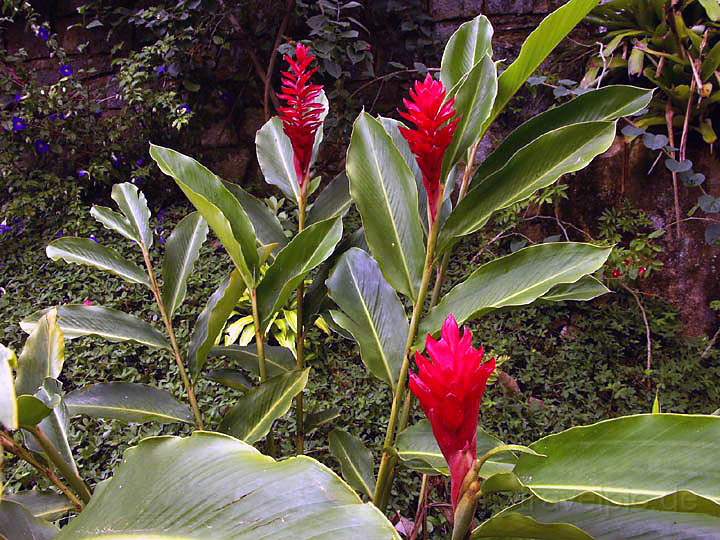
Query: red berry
[[641, 271], [616, 273]]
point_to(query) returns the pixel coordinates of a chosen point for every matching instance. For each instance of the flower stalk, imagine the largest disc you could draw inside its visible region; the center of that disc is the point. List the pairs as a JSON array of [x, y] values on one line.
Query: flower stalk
[[54, 456], [300, 336]]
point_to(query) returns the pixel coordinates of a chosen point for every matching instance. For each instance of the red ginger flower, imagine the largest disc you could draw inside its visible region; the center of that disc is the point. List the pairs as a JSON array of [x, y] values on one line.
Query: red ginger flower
[[432, 134], [450, 386], [301, 114]]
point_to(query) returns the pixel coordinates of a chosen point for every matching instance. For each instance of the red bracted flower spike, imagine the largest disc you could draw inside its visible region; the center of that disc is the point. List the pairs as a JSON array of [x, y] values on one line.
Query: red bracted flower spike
[[432, 134], [450, 386], [301, 114]]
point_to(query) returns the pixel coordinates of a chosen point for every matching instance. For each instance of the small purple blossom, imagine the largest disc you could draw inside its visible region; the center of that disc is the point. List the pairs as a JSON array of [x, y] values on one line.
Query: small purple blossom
[[184, 109], [60, 234], [53, 117], [82, 173], [94, 239], [19, 123], [161, 70], [5, 228], [116, 161], [41, 147], [140, 162], [161, 215], [43, 33], [162, 240], [66, 70], [18, 97]]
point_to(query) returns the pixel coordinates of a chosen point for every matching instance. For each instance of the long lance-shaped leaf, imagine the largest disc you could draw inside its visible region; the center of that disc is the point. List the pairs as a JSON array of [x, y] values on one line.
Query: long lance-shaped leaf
[[31, 411], [237, 493], [584, 289], [276, 158], [417, 449], [356, 461], [627, 460], [218, 206], [267, 226], [371, 312], [535, 166], [212, 320], [115, 221], [133, 205], [17, 522], [465, 48], [383, 188], [128, 402], [605, 104], [279, 360], [8, 401], [332, 201], [251, 418], [305, 252], [538, 45], [181, 251], [589, 517], [516, 280], [42, 504], [77, 320], [43, 355], [86, 252]]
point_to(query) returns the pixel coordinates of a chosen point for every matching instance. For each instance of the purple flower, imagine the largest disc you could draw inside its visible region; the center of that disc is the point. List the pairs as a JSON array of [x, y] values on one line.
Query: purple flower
[[161, 70], [60, 234], [66, 70], [94, 239], [184, 109], [116, 160], [53, 117], [162, 240], [140, 162], [41, 147], [82, 173], [5, 228], [19, 123], [43, 33], [19, 97]]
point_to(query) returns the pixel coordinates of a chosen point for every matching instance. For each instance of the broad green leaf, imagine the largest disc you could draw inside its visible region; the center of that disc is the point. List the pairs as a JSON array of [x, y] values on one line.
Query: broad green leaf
[[371, 312], [31, 411], [218, 206], [251, 418], [232, 378], [181, 251], [627, 460], [46, 505], [356, 461], [384, 190], [584, 289], [293, 263], [465, 48], [279, 360], [128, 402], [589, 517], [268, 228], [605, 104], [133, 205], [237, 493], [18, 523], [538, 45], [86, 252], [115, 221], [474, 97], [8, 402], [712, 8], [535, 166], [316, 419], [212, 320], [42, 356], [276, 158], [517, 279], [332, 201], [417, 448], [711, 62], [78, 320]]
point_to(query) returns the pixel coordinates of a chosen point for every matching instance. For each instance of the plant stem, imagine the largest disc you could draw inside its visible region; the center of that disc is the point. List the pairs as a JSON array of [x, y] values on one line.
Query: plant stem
[[11, 446], [52, 453], [300, 337], [669, 114], [262, 363], [173, 340]]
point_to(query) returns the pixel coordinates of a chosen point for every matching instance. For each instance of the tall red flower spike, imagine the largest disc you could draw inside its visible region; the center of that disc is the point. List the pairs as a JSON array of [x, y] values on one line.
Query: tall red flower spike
[[432, 134], [301, 114], [450, 386]]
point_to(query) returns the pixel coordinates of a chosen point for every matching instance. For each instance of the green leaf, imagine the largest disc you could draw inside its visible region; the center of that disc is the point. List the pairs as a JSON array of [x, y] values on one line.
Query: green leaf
[[517, 279], [133, 205], [293, 263], [8, 402], [78, 320], [236, 493], [332, 201], [17, 523], [314, 420], [538, 45], [279, 360], [181, 251], [605, 104], [356, 461], [384, 190], [42, 504], [535, 166], [232, 378], [584, 289], [251, 418], [115, 221], [712, 8], [679, 515], [474, 97], [31, 411], [218, 206], [711, 62], [212, 320], [371, 312], [276, 158], [86, 252], [465, 48], [127, 402], [268, 228], [627, 460], [43, 355], [417, 448]]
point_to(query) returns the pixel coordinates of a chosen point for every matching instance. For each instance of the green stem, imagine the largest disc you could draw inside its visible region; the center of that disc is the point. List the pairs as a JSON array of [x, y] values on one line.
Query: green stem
[[300, 338], [52, 453], [262, 362]]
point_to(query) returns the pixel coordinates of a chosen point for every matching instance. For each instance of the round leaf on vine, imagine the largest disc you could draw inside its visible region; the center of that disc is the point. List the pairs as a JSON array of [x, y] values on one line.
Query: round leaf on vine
[[655, 142], [678, 166], [709, 204]]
